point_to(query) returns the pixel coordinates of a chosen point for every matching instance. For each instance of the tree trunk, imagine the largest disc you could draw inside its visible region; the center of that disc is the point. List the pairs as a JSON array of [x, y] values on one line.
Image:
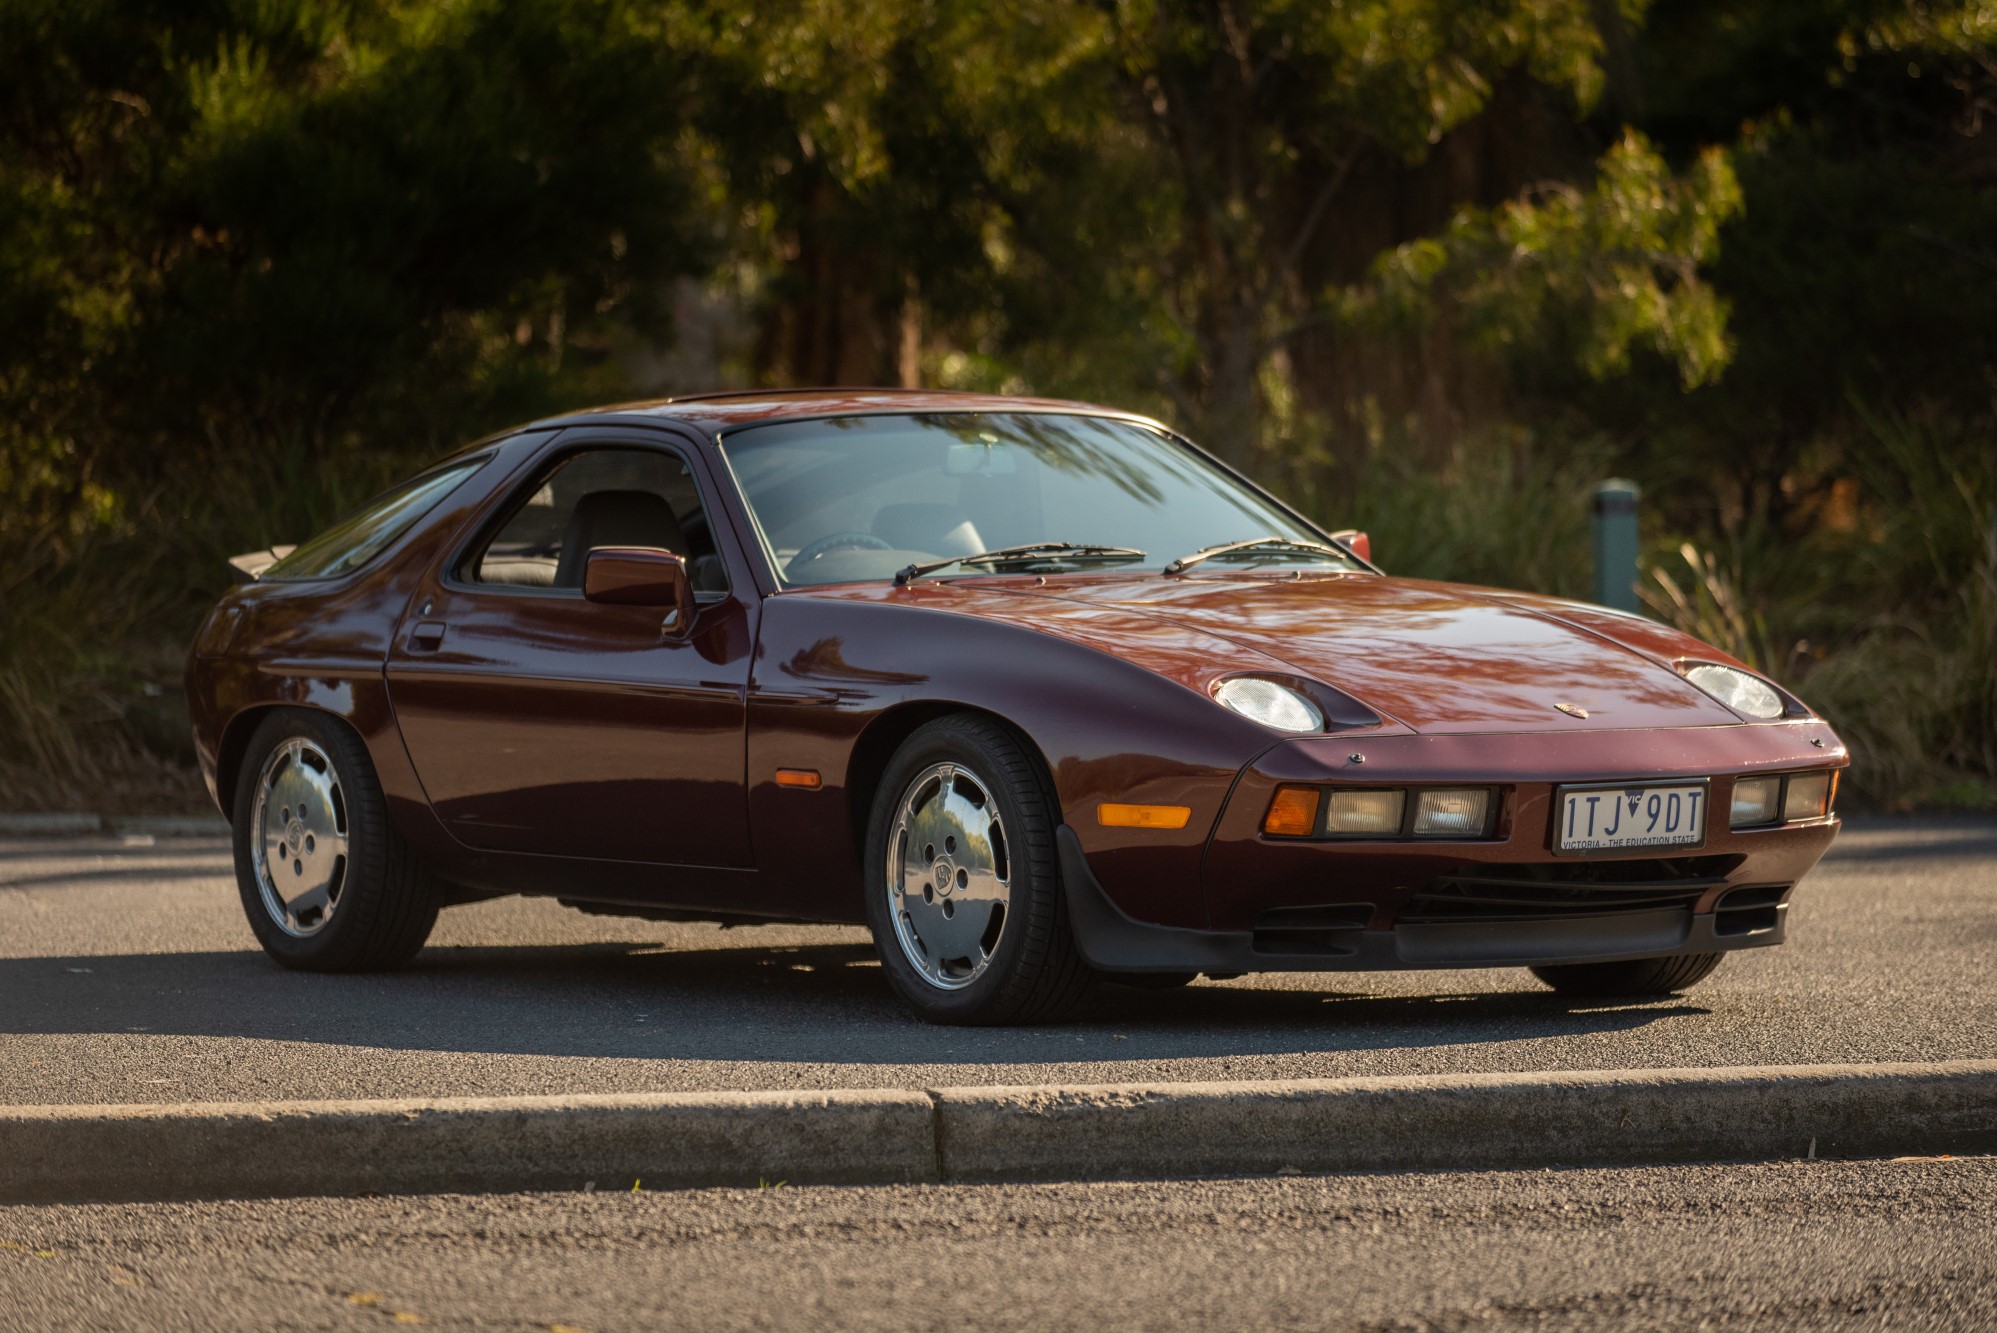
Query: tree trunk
[[909, 357], [1231, 412], [831, 326]]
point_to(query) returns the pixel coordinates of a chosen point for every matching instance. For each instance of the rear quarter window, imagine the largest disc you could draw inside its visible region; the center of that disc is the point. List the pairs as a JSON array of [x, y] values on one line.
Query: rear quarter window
[[365, 533]]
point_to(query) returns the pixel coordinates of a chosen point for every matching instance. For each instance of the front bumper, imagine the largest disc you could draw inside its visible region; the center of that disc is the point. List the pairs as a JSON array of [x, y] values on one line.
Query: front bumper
[[1287, 904], [1113, 941]]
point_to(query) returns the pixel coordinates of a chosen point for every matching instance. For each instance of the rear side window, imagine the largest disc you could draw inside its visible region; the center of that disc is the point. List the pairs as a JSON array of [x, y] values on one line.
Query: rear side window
[[361, 535]]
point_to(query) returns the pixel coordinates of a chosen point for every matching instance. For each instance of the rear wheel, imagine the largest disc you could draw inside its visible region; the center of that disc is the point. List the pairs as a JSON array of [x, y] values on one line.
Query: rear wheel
[[326, 881], [1640, 976], [963, 889]]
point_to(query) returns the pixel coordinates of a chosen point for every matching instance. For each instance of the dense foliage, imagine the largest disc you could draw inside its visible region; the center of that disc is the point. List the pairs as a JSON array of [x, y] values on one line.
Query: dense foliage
[[1428, 267]]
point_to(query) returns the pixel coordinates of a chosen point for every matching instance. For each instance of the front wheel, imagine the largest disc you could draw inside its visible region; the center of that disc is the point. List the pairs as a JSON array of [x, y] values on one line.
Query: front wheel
[[326, 881], [963, 889], [1639, 976]]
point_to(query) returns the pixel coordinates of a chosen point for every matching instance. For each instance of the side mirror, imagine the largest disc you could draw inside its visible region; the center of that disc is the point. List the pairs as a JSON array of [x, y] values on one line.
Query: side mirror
[[641, 576], [1359, 542]]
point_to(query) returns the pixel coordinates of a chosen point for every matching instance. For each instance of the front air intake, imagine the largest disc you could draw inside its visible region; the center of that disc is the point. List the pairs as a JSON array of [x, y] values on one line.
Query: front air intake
[[1329, 930], [1750, 910], [1563, 890]]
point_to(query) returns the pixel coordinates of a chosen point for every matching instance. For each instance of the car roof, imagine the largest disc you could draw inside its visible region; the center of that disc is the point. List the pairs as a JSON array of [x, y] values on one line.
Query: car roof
[[714, 413]]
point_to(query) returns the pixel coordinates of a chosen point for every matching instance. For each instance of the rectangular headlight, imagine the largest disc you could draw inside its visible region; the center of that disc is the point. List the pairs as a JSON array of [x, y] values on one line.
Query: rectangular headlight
[[1357, 812], [1756, 801], [1809, 796], [1452, 812]]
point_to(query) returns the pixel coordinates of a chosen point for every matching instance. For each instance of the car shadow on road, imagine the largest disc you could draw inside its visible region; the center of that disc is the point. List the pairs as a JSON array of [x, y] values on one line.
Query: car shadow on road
[[815, 1004]]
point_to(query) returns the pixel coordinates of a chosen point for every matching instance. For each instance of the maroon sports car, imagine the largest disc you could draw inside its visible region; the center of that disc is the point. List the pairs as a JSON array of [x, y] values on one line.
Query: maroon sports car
[[1041, 693]]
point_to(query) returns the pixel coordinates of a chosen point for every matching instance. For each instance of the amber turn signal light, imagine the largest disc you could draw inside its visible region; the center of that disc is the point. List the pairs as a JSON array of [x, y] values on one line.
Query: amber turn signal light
[[1143, 816], [806, 778], [1293, 813]]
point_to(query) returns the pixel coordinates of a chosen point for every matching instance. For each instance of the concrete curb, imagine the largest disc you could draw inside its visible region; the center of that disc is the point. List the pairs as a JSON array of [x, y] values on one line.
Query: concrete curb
[[1470, 1121], [885, 1136], [61, 825], [666, 1141], [169, 826], [49, 825]]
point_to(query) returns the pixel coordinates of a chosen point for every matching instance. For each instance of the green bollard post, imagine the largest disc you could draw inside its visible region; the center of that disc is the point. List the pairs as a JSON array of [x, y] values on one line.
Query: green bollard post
[[1615, 544]]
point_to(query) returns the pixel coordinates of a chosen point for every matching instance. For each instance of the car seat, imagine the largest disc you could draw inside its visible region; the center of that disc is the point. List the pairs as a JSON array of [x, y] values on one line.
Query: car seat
[[616, 518], [938, 528]]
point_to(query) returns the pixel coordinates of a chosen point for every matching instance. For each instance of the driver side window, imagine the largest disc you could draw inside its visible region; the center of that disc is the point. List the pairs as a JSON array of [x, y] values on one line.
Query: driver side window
[[600, 497]]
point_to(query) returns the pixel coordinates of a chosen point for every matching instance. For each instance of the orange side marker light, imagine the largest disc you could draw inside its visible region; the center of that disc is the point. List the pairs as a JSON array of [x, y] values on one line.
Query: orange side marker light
[[804, 778], [1293, 813], [1143, 816]]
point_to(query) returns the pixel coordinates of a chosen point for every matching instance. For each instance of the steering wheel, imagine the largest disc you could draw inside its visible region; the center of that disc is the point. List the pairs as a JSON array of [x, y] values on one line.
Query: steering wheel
[[838, 541]]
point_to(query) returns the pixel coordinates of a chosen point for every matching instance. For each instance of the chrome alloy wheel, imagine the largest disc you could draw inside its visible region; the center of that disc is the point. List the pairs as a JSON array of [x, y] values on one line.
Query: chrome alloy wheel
[[298, 824], [949, 881]]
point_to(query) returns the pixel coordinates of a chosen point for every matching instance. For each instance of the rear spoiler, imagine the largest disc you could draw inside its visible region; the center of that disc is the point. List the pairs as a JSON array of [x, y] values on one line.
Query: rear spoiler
[[251, 564]]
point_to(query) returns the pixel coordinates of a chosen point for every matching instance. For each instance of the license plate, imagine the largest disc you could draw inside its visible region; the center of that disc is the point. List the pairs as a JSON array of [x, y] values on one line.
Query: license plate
[[1595, 819]]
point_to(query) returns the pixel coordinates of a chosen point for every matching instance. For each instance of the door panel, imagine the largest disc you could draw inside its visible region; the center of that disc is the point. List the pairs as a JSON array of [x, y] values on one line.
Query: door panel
[[540, 722]]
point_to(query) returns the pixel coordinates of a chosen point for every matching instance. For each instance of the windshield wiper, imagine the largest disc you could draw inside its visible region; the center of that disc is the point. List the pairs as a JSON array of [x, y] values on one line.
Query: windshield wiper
[[1012, 555], [1273, 545]]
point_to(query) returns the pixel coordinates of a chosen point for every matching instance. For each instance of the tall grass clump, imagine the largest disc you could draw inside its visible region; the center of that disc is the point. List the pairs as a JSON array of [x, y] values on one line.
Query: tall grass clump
[[85, 681], [1885, 622], [1913, 687], [1499, 509], [96, 620], [1701, 596]]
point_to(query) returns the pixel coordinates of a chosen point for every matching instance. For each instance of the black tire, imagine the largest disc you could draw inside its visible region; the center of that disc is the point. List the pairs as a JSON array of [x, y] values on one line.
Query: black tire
[[1033, 973], [380, 903], [1640, 976]]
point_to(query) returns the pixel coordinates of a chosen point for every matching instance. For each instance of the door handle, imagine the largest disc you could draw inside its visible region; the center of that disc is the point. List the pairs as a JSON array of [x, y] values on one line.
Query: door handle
[[427, 635]]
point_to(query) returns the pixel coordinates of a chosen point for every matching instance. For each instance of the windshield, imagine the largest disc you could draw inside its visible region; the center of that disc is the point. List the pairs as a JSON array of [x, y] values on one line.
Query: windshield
[[854, 499], [355, 539]]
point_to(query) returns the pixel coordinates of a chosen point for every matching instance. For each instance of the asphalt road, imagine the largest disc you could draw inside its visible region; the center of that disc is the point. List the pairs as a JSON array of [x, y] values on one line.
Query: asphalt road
[[1904, 1244], [128, 975]]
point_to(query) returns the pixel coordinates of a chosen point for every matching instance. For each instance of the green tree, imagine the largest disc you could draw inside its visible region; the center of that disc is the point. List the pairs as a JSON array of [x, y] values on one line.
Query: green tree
[[1858, 271], [1584, 276], [316, 233], [1130, 199], [1262, 111]]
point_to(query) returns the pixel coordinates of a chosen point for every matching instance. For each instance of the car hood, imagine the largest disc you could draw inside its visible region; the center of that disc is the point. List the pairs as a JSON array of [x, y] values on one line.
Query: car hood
[[1436, 657]]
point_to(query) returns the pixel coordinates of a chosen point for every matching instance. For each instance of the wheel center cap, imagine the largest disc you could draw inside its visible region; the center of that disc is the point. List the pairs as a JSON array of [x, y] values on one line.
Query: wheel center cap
[[294, 832], [945, 873]]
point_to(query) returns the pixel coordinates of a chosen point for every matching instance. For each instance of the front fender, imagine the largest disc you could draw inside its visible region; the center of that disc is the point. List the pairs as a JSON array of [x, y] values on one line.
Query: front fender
[[1109, 699]]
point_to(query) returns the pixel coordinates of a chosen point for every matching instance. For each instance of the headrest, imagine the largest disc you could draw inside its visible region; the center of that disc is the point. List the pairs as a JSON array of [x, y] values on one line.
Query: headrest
[[615, 518]]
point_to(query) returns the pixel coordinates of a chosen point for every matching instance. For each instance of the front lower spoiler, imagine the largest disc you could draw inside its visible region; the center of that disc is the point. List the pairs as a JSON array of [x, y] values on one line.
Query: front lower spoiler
[[1113, 941]]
